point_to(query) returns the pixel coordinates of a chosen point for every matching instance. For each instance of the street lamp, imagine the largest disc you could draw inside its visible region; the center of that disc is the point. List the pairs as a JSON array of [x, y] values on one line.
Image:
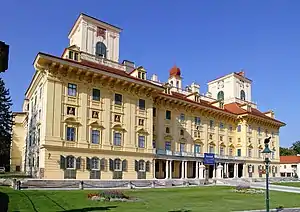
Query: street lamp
[[267, 161]]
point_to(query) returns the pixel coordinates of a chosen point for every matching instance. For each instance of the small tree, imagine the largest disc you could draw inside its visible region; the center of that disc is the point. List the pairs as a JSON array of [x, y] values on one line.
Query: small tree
[[296, 147], [6, 122]]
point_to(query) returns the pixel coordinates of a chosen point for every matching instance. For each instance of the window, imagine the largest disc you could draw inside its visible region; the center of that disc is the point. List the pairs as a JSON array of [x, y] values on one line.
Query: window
[[249, 152], [142, 104], [95, 136], [239, 128], [141, 122], [167, 130], [197, 148], [101, 49], [259, 153], [117, 138], [243, 95], [284, 166], [71, 55], [259, 141], [221, 126], [154, 112], [168, 115], [181, 147], [117, 118], [273, 154], [220, 95], [95, 165], [230, 128], [71, 111], [181, 132], [70, 162], [118, 99], [76, 56], [221, 138], [141, 141], [141, 165], [197, 134], [95, 114], [96, 94], [230, 139], [143, 76], [117, 165], [139, 74], [197, 121], [249, 129], [259, 131], [211, 124], [239, 140], [221, 150], [153, 144], [70, 133], [210, 136], [249, 140], [211, 149], [72, 89], [168, 145], [239, 152], [230, 151], [181, 117]]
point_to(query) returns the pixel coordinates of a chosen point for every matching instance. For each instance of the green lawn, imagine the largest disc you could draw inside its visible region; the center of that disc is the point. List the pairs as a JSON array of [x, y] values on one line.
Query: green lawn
[[173, 199], [294, 184]]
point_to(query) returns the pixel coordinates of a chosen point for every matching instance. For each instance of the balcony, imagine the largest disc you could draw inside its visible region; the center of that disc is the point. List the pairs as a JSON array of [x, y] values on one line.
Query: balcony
[[101, 61]]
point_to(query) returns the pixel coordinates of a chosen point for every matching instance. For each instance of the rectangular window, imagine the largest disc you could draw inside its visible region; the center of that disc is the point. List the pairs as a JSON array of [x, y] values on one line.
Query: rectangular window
[[239, 128], [76, 56], [221, 150], [70, 133], [153, 144], [249, 152], [141, 122], [211, 123], [117, 138], [95, 136], [230, 152], [239, 152], [71, 111], [259, 153], [197, 121], [142, 104], [96, 94], [154, 112], [197, 148], [118, 99], [168, 114], [72, 89], [230, 128], [168, 145], [211, 149], [95, 114], [181, 147], [182, 117], [259, 131], [141, 141], [221, 126], [70, 55]]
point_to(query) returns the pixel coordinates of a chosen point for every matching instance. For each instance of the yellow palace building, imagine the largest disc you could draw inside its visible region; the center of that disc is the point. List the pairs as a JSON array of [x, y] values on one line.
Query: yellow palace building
[[87, 116]]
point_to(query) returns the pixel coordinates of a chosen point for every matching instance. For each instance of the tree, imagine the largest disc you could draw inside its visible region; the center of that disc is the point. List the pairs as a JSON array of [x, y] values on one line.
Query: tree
[[6, 122], [296, 147], [286, 151]]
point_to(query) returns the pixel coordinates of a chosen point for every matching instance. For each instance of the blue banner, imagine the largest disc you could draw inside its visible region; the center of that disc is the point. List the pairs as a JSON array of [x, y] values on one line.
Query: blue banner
[[209, 159]]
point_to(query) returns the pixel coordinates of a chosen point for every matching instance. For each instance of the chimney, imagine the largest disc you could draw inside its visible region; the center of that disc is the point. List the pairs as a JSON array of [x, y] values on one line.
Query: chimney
[[128, 65], [154, 78], [195, 88]]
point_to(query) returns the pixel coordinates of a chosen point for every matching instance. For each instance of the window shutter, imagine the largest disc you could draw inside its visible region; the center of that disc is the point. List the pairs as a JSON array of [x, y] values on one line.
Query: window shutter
[[78, 162], [253, 168], [136, 166], [88, 163], [103, 164], [276, 169], [148, 166], [124, 165], [62, 162], [111, 164]]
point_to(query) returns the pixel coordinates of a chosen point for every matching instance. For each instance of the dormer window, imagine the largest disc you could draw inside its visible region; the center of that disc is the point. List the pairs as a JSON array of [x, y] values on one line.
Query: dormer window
[[141, 75], [73, 55], [101, 49]]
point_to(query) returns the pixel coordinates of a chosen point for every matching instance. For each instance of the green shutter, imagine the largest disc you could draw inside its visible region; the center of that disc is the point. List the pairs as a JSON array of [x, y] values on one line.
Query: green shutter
[[136, 166], [148, 166], [124, 165], [111, 164], [78, 162], [88, 163], [62, 162]]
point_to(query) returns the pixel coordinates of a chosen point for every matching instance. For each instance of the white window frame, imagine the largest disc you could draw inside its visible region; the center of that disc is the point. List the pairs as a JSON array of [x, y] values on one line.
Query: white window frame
[[143, 163], [74, 162]]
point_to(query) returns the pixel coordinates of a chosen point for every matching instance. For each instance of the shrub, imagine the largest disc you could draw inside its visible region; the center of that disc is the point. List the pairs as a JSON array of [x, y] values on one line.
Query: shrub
[[242, 187], [108, 194]]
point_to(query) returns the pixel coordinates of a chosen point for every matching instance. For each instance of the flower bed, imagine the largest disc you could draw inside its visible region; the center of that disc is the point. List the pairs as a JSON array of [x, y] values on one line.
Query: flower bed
[[110, 195], [245, 189]]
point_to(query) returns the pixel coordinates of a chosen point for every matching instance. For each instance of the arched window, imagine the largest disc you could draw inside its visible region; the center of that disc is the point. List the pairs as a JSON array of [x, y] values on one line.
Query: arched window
[[243, 95], [95, 163], [117, 164], [70, 162], [101, 49], [220, 95]]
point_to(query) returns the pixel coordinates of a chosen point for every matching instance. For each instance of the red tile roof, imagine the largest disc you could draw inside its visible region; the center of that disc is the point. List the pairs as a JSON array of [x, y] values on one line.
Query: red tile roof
[[290, 159], [241, 74], [175, 71]]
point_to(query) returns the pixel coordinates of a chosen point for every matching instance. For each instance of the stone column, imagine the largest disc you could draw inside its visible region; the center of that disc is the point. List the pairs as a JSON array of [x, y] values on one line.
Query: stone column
[[219, 171], [197, 170], [182, 169], [170, 167], [154, 174], [201, 169], [185, 169], [236, 170], [214, 171], [167, 169]]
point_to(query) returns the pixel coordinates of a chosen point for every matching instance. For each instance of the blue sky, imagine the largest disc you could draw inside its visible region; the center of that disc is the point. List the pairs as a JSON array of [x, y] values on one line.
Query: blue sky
[[206, 39]]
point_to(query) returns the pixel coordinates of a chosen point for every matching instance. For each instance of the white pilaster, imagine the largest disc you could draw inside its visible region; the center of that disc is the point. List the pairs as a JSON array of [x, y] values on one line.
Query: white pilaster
[[182, 169], [201, 169], [154, 175], [197, 170], [219, 171], [185, 170], [167, 169], [170, 169], [236, 170]]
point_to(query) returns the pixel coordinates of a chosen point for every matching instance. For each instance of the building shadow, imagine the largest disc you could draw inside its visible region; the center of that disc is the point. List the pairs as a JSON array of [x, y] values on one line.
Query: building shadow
[[55, 202], [180, 210], [4, 200], [107, 208]]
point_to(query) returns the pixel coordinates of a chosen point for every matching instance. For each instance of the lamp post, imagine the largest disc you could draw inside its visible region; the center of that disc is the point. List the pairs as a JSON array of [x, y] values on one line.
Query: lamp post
[[267, 161]]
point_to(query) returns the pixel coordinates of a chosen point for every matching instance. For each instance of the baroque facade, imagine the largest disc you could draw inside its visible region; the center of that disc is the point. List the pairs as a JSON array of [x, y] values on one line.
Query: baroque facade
[[91, 117]]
